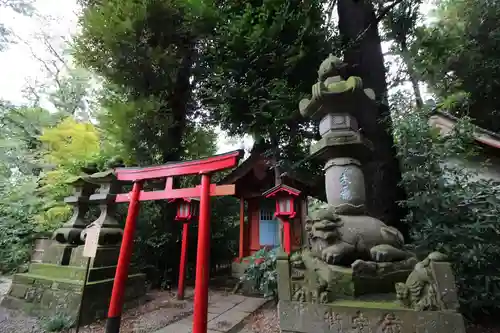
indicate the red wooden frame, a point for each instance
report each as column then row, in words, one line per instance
column 138, row 175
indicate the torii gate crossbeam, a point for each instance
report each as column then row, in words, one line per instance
column 205, row 167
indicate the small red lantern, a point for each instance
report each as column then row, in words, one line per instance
column 187, row 208
column 285, row 200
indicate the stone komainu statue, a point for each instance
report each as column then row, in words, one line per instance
column 342, row 239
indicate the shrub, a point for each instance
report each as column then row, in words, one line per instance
column 60, row 321
column 18, row 206
column 450, row 209
column 262, row 273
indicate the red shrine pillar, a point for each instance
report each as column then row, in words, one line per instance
column 287, row 235
column 182, row 266
column 121, row 275
column 202, row 259
column 242, row 229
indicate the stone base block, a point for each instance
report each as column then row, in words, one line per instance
column 47, row 295
column 74, row 273
column 105, row 256
column 364, row 316
column 364, row 278
column 58, row 254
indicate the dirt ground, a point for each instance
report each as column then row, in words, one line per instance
column 263, row 321
column 160, row 309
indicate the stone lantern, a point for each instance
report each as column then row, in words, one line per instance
column 334, row 102
column 68, row 236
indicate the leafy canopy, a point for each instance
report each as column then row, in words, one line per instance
column 458, row 55
column 262, row 59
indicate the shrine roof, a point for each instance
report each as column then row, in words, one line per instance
column 446, row 122
column 257, row 162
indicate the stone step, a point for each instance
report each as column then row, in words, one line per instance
column 57, row 271
column 44, row 281
column 74, row 272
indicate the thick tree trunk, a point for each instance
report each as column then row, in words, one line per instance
column 172, row 150
column 410, row 69
column 382, row 173
column 178, row 103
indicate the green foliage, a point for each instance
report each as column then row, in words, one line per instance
column 19, row 142
column 57, row 323
column 68, row 147
column 451, row 210
column 458, row 53
column 260, row 65
column 262, row 272
column 74, row 93
column 18, row 208
column 146, row 51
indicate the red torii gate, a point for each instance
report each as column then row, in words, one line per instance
column 205, row 167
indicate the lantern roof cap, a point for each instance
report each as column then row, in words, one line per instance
column 186, row 199
column 281, row 188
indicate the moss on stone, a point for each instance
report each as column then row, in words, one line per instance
column 368, row 304
column 23, row 278
column 57, row 271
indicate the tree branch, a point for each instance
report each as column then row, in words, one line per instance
column 330, row 9
column 381, row 14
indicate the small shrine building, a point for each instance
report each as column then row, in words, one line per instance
column 258, row 189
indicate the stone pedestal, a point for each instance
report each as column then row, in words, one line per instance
column 58, row 254
column 317, row 297
column 47, row 288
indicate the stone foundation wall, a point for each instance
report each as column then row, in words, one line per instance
column 47, row 289
column 364, row 317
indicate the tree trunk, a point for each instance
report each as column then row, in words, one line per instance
column 382, row 172
column 410, row 69
column 172, row 150
column 178, row 104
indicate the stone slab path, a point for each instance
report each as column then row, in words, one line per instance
column 225, row 314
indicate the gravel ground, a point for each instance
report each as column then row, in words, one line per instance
column 162, row 309
column 15, row 321
column 263, row 321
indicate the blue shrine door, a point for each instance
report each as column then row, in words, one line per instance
column 268, row 225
